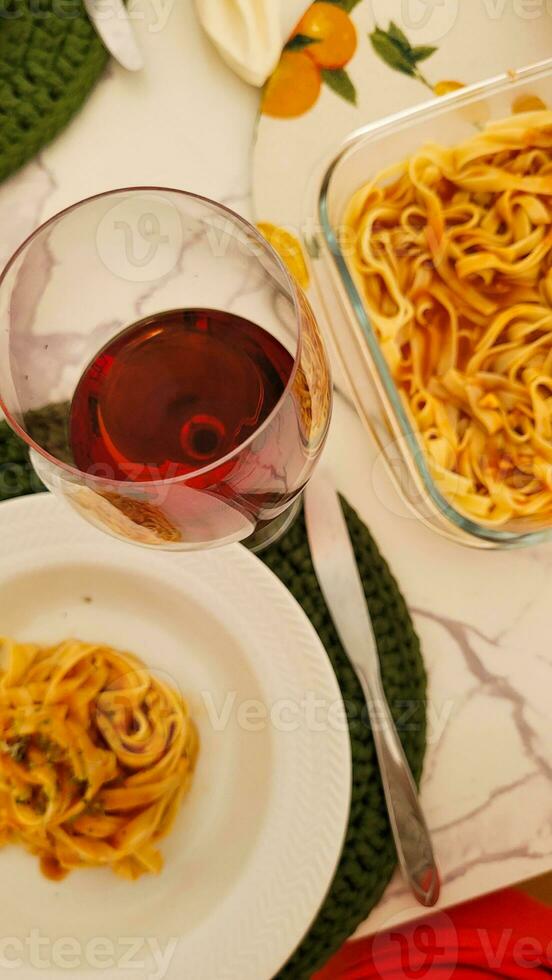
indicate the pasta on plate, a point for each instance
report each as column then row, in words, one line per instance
column 95, row 756
column 451, row 251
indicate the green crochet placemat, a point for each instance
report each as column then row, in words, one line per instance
column 50, row 57
column 368, row 859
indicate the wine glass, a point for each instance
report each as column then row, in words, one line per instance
column 164, row 368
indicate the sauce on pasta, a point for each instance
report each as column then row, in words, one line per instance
column 95, row 756
column 451, row 251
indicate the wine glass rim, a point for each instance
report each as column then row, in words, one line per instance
column 293, row 289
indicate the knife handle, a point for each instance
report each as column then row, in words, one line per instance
column 408, row 825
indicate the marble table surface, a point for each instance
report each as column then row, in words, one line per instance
column 484, row 618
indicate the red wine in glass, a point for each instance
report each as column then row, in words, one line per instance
column 192, row 428
column 175, row 393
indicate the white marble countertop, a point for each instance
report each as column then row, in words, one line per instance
column 483, row 618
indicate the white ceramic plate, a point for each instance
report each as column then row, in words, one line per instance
column 257, row 841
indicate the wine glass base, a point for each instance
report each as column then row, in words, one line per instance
column 272, row 531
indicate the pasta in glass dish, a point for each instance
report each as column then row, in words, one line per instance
column 451, row 252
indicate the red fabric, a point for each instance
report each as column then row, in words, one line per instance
column 503, row 935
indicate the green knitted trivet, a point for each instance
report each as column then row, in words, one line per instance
column 368, row 858
column 50, row 57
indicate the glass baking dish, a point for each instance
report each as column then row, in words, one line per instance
column 447, row 120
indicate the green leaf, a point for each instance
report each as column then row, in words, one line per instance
column 399, row 36
column 300, row 41
column 346, row 5
column 420, row 54
column 338, row 80
column 391, row 52
column 312, row 246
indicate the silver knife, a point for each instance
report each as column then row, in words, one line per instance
column 337, row 572
column 112, row 22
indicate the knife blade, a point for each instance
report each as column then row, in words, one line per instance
column 112, row 23
column 337, row 572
